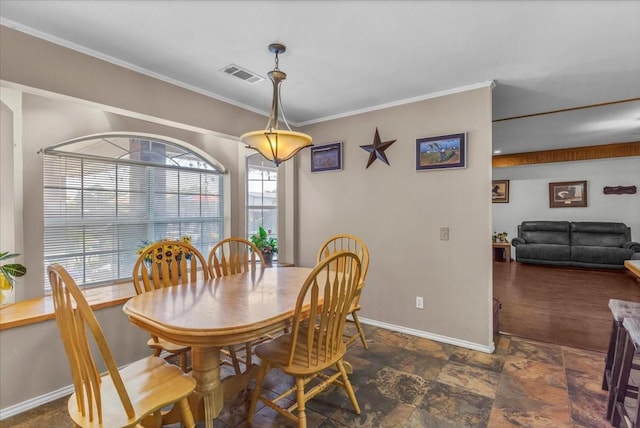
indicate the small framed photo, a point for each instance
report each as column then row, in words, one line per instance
column 327, row 157
column 446, row 151
column 568, row 194
column 500, row 191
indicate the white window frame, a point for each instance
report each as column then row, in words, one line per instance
column 203, row 215
column 271, row 169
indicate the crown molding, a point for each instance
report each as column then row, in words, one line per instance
column 487, row 84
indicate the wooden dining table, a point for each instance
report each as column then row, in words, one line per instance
column 209, row 314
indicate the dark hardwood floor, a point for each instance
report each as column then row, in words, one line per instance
column 564, row 306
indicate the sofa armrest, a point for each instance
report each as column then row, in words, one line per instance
column 635, row 246
column 517, row 241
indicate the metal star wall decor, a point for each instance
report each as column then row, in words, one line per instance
column 376, row 150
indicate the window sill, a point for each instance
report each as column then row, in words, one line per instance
column 41, row 309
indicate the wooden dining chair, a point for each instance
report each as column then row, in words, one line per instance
column 346, row 242
column 229, row 257
column 165, row 264
column 234, row 255
column 316, row 341
column 129, row 397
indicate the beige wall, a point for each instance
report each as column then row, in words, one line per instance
column 395, row 209
column 34, row 366
column 398, row 212
column 35, row 63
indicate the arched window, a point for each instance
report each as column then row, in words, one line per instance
column 107, row 195
column 262, row 195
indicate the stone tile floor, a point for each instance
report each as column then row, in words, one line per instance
column 407, row 381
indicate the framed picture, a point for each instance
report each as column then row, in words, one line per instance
column 446, row 151
column 568, row 194
column 327, row 157
column 500, row 191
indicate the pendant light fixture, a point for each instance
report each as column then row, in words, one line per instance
column 273, row 143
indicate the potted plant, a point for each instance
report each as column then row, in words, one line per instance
column 8, row 272
column 167, row 252
column 499, row 237
column 267, row 245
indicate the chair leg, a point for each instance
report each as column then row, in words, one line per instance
column 185, row 412
column 234, row 359
column 183, row 361
column 354, row 314
column 247, row 356
column 302, row 415
column 608, row 361
column 264, row 367
column 348, row 387
column 622, row 382
column 615, row 367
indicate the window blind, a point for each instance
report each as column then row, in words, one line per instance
column 98, row 212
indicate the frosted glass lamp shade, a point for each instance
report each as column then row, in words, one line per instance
column 276, row 145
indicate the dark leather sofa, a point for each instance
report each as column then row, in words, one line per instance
column 582, row 244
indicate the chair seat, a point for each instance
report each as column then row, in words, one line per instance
column 276, row 352
column 170, row 347
column 152, row 384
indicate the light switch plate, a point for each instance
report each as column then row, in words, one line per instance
column 444, row 233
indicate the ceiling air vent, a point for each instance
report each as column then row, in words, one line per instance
column 242, row 73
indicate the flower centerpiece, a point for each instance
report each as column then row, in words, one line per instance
column 166, row 252
column 267, row 245
column 8, row 272
column 499, row 237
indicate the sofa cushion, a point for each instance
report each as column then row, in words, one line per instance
column 600, row 255
column 599, row 234
column 545, row 232
column 544, row 252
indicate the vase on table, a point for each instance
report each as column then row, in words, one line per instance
column 268, row 258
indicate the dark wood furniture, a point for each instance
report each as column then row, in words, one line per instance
column 502, row 248
column 626, row 411
column 620, row 309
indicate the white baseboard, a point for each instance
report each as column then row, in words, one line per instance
column 32, row 403
column 426, row 335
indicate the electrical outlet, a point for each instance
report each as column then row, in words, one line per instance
column 419, row 302
column 444, row 233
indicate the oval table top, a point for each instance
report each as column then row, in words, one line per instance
column 220, row 311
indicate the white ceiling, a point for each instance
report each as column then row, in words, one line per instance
column 350, row 56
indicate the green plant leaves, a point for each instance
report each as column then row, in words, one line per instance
column 11, row 270
column 14, row 269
